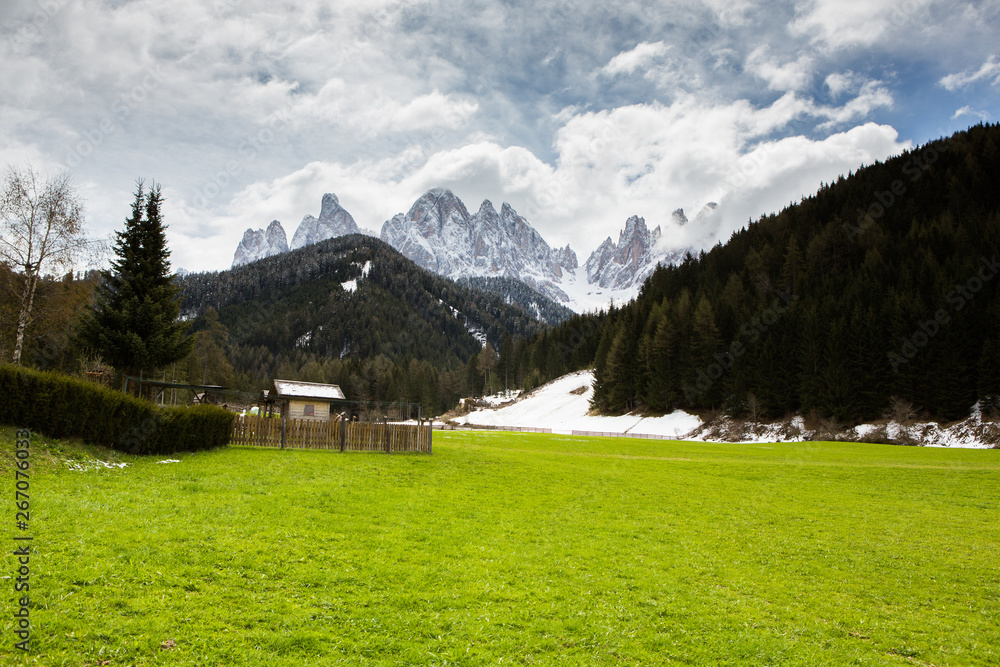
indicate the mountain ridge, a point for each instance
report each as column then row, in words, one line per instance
column 439, row 233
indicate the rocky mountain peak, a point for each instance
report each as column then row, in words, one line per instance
column 487, row 212
column 629, row 262
column 333, row 221
column 329, row 206
column 258, row 244
column 566, row 258
column 439, row 234
column 275, row 236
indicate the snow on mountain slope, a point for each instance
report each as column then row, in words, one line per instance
column 439, row 234
column 628, row 263
column 333, row 221
column 563, row 404
column 260, row 244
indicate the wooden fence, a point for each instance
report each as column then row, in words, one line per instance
column 642, row 436
column 483, row 427
column 258, row 431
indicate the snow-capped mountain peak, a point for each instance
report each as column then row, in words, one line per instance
column 333, row 221
column 628, row 263
column 258, row 244
column 439, row 234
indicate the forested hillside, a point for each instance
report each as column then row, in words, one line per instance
column 517, row 292
column 350, row 310
column 883, row 284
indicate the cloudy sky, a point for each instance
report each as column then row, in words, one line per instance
column 579, row 113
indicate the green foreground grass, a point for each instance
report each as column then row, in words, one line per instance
column 513, row 548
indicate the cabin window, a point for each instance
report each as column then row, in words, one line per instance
column 309, row 410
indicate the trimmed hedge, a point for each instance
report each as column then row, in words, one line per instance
column 60, row 406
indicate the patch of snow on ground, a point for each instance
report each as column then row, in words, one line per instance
column 94, row 464
column 476, row 333
column 561, row 406
column 352, row 285
column 501, row 398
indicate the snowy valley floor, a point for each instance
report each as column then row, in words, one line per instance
column 563, row 406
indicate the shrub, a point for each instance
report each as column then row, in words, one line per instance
column 900, row 411
column 60, row 406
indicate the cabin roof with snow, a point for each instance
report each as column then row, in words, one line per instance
column 305, row 390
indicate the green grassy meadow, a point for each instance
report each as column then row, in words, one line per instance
column 512, row 548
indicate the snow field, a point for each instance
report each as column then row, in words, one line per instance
column 563, row 405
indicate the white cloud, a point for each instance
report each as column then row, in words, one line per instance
column 644, row 159
column 872, row 95
column 841, row 82
column 642, row 56
column 259, row 108
column 989, row 70
column 969, row 111
column 794, row 75
column 845, row 23
column 433, row 110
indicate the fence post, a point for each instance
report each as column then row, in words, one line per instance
column 385, row 423
column 430, row 436
column 343, row 433
column 284, row 420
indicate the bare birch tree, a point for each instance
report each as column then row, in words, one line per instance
column 41, row 229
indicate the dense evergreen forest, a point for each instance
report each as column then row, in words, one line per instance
column 352, row 311
column 883, row 284
column 517, row 292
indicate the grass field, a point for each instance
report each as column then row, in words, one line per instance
column 513, row 548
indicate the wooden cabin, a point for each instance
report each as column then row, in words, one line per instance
column 304, row 400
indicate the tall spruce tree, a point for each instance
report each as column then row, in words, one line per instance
column 134, row 324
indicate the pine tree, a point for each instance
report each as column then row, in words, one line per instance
column 134, row 324
column 706, row 346
column 620, row 370
column 794, row 267
column 503, row 369
column 602, row 383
